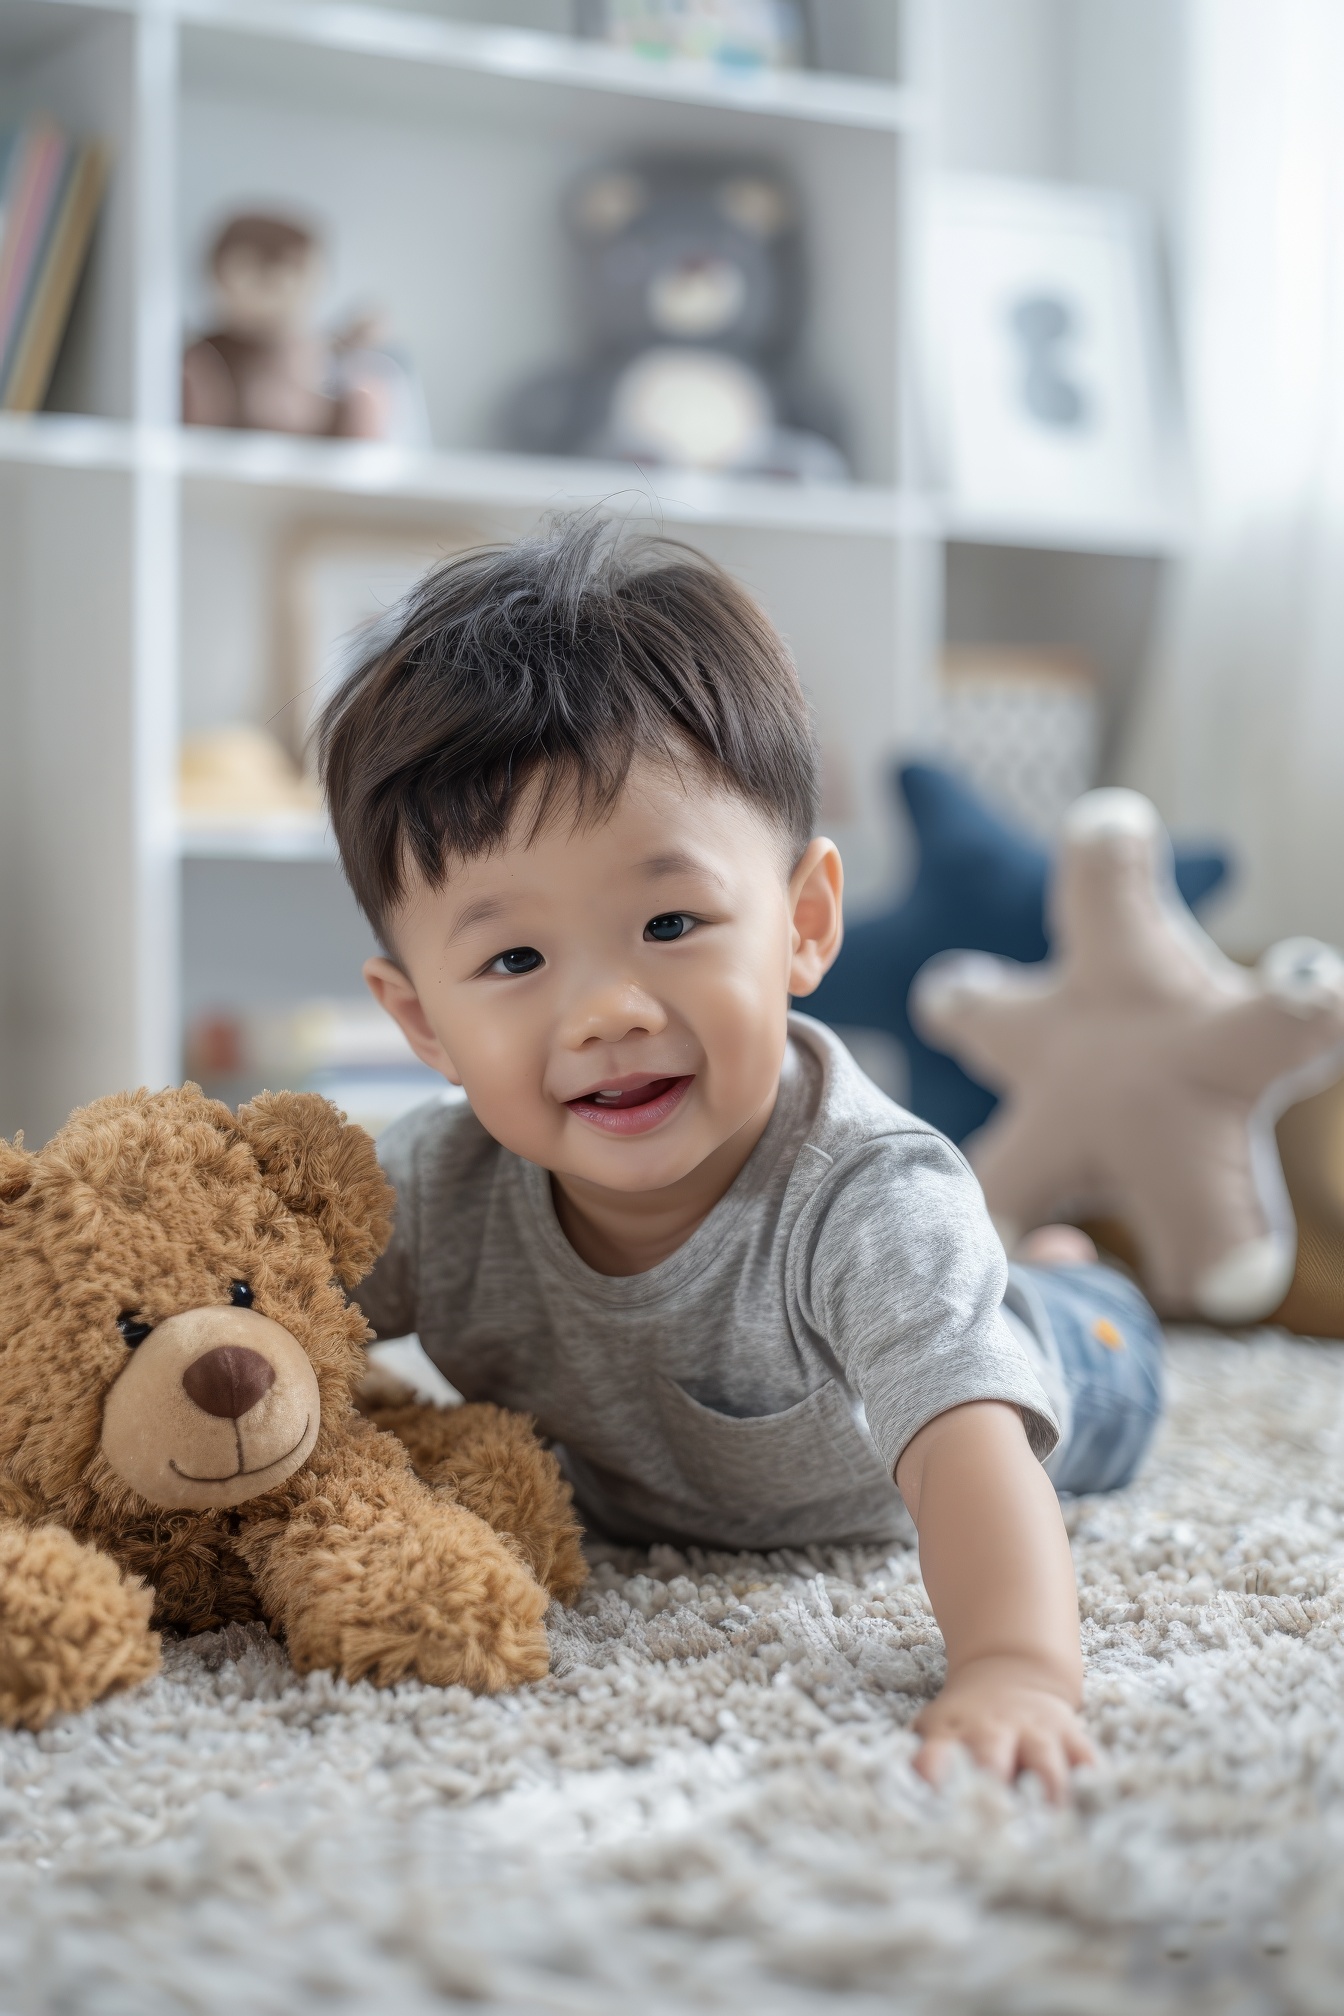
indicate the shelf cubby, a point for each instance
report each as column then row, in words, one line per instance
column 433, row 140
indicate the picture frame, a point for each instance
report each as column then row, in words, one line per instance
column 336, row 582
column 1049, row 396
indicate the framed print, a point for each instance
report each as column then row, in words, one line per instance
column 1050, row 403
column 337, row 583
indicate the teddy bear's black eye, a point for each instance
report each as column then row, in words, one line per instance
column 132, row 1329
column 240, row 1295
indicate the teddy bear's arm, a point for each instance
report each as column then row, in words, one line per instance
column 491, row 1461
column 73, row 1627
column 375, row 1577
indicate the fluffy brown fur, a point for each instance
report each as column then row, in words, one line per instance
column 485, row 1457
column 155, row 1204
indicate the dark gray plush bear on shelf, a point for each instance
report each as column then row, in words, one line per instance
column 691, row 281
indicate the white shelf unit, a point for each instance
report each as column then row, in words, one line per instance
column 138, row 580
column 138, row 559
column 1091, row 92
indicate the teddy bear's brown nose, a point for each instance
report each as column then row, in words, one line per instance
column 229, row 1380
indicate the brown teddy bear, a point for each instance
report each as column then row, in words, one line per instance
column 179, row 1439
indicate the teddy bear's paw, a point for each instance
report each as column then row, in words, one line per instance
column 489, row 1460
column 501, row 1644
column 565, row 1574
column 446, row 1602
column 72, row 1627
column 528, row 1502
column 538, row 1527
column 482, row 1626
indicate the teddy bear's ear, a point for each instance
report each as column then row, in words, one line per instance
column 606, row 203
column 755, row 203
column 16, row 1171
column 326, row 1169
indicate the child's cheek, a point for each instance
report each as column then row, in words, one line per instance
column 503, row 1063
column 744, row 1031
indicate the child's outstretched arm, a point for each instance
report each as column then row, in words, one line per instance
column 996, row 1563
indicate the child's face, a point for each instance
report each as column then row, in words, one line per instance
column 613, row 998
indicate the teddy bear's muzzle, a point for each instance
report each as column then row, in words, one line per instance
column 216, row 1406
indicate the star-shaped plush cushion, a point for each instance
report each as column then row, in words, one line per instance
column 979, row 887
column 1143, row 1071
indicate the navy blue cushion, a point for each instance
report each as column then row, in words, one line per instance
column 979, row 887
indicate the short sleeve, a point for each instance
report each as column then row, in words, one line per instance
column 901, row 1277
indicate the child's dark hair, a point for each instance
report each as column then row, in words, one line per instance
column 566, row 656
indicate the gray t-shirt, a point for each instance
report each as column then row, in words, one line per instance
column 756, row 1388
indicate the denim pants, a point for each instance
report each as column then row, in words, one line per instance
column 1107, row 1353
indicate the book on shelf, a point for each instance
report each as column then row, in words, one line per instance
column 50, row 188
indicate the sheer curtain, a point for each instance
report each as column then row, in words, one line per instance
column 1240, row 729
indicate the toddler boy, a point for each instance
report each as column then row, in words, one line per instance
column 754, row 1302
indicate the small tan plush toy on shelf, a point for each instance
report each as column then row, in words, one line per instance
column 265, row 364
column 1142, row 1071
column 179, row 1438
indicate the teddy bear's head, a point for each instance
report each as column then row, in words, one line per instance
column 689, row 252
column 173, row 1322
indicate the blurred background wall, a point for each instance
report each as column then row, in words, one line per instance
column 987, row 340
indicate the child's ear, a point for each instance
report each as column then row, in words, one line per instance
column 816, row 888
column 393, row 990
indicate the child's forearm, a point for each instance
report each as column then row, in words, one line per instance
column 996, row 1565
column 993, row 1550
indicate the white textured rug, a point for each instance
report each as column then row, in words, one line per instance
column 709, row 1804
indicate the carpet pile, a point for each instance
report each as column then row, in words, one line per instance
column 709, row 1805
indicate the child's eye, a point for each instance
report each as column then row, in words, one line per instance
column 672, row 924
column 522, row 959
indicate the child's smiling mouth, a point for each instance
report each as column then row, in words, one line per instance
column 632, row 1105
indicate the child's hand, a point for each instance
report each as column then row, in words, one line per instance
column 1010, row 1719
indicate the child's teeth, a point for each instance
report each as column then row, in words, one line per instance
column 609, row 1097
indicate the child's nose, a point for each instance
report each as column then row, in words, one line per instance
column 608, row 1010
